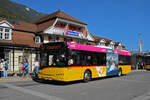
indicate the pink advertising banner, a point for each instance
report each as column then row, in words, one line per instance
column 85, row 47
column 92, row 48
column 124, row 53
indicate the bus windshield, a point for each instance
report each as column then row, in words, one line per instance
column 50, row 59
column 53, row 55
column 147, row 60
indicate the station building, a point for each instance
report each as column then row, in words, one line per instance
column 20, row 40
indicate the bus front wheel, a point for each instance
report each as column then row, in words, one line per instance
column 87, row 76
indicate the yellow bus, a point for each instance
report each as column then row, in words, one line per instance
column 68, row 61
column 147, row 62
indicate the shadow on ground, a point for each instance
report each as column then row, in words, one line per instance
column 59, row 83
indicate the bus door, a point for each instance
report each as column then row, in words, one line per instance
column 111, row 62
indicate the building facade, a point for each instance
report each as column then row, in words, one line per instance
column 20, row 40
column 17, row 43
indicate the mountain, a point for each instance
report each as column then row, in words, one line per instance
column 16, row 11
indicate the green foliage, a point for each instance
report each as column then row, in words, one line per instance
column 16, row 11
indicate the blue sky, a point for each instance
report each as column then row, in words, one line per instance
column 119, row 20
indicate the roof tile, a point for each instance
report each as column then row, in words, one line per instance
column 24, row 26
column 58, row 14
column 24, row 38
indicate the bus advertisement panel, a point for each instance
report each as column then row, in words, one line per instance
column 111, row 62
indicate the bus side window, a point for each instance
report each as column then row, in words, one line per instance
column 95, row 60
column 124, row 60
column 50, row 60
column 70, row 61
column 78, row 60
column 82, row 61
column 89, row 58
column 44, row 59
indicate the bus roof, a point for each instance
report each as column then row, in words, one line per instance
column 76, row 46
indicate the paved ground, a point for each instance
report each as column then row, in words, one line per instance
column 14, row 79
column 135, row 86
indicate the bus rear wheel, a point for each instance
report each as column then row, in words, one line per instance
column 87, row 76
column 119, row 72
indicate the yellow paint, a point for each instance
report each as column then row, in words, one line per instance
column 147, row 67
column 52, row 74
column 76, row 72
column 125, row 68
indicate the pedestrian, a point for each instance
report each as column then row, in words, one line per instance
column 2, row 68
column 6, row 64
column 25, row 68
column 36, row 67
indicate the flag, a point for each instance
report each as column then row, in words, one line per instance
column 66, row 29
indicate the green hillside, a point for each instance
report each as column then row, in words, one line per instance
column 16, row 11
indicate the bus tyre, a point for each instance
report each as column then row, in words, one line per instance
column 87, row 76
column 119, row 72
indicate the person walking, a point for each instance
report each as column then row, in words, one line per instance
column 6, row 64
column 36, row 67
column 25, row 68
column 2, row 68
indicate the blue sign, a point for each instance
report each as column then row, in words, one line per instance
column 73, row 33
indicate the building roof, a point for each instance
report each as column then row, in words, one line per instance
column 117, row 43
column 21, row 34
column 24, row 38
column 1, row 19
column 97, row 39
column 21, row 38
column 25, row 29
column 45, row 25
column 20, row 25
column 123, row 47
column 100, row 38
column 25, row 26
column 57, row 14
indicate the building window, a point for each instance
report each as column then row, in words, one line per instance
column 119, row 48
column 65, row 40
column 49, row 38
column 69, row 40
column 1, row 33
column 20, row 58
column 60, row 25
column 5, row 33
column 53, row 39
column 102, row 42
column 37, row 39
column 57, row 39
column 111, row 45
